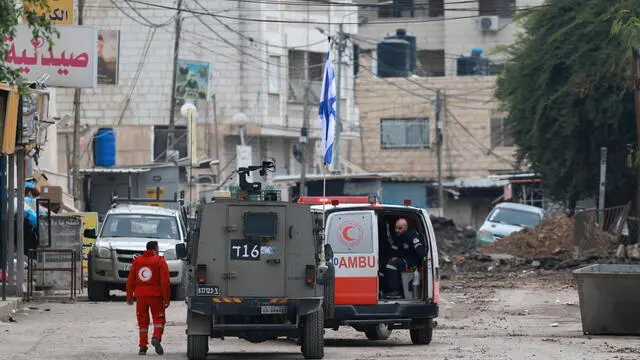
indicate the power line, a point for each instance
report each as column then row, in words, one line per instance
column 405, row 21
column 147, row 24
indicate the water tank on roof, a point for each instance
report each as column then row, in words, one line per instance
column 402, row 35
column 393, row 58
column 104, row 147
column 473, row 66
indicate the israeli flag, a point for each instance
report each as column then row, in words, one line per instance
column 327, row 110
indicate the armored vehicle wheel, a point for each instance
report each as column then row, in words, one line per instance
column 312, row 335
column 422, row 336
column 197, row 347
column 328, row 303
column 378, row 332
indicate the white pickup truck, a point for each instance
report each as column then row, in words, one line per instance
column 123, row 236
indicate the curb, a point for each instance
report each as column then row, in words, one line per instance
column 7, row 306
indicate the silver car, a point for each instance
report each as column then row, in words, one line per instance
column 123, row 236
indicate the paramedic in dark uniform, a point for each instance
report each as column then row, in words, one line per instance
column 408, row 252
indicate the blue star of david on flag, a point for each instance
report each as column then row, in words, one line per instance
column 327, row 110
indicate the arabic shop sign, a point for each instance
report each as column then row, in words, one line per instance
column 71, row 62
column 192, row 80
column 60, row 12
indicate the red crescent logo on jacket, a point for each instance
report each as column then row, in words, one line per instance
column 145, row 274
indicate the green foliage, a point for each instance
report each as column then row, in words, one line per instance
column 9, row 15
column 567, row 89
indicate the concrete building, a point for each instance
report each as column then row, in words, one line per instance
column 398, row 117
column 261, row 54
column 445, row 29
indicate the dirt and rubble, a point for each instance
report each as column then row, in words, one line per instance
column 532, row 315
column 453, row 240
column 551, row 237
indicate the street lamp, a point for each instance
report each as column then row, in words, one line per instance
column 190, row 111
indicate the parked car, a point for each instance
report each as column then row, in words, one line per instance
column 507, row 218
column 124, row 235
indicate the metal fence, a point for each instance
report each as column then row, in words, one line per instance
column 600, row 230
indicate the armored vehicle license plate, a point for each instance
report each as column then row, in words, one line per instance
column 208, row 290
column 270, row 309
column 242, row 249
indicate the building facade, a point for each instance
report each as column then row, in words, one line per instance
column 445, row 29
column 262, row 56
column 399, row 118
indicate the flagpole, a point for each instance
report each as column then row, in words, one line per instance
column 324, row 192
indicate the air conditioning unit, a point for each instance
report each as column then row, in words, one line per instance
column 488, row 23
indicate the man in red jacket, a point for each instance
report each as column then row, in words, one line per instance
column 149, row 282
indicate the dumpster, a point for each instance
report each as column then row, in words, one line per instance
column 609, row 299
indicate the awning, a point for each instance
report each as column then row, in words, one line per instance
column 115, row 170
column 318, row 177
column 474, row 183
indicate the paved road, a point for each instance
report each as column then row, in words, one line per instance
column 477, row 323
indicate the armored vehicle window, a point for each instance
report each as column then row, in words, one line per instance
column 260, row 224
column 141, row 226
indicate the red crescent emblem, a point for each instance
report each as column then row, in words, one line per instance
column 350, row 233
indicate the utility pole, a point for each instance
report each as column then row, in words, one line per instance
column 77, row 94
column 172, row 107
column 304, row 131
column 342, row 39
column 636, row 84
column 439, row 149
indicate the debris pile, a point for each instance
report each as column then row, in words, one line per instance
column 452, row 240
column 551, row 237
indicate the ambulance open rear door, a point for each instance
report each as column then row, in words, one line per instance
column 353, row 235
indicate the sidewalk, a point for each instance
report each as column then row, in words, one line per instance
column 7, row 306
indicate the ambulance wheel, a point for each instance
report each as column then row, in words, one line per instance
column 422, row 336
column 312, row 335
column 378, row 332
column 197, row 347
column 328, row 303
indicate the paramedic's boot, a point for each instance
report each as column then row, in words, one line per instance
column 156, row 344
column 393, row 295
column 142, row 351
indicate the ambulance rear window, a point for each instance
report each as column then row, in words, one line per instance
column 260, row 224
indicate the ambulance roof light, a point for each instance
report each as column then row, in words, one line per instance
column 373, row 199
column 335, row 202
column 407, row 202
column 319, row 200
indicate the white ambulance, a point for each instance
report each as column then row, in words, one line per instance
column 358, row 229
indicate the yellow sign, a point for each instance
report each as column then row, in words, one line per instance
column 150, row 193
column 89, row 221
column 60, row 11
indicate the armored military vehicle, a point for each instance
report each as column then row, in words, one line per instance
column 256, row 269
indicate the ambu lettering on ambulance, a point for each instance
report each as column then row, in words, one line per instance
column 356, row 262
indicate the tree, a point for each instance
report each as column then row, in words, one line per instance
column 10, row 12
column 567, row 90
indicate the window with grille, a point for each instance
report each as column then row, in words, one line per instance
column 274, row 74
column 503, row 8
column 404, row 133
column 160, row 134
column 399, row 9
column 499, row 134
